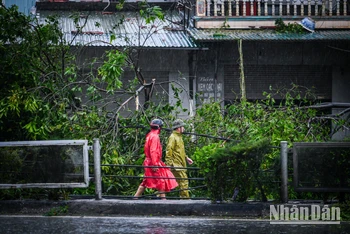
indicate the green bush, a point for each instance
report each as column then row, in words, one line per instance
column 233, row 166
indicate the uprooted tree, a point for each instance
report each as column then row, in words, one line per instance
column 45, row 94
column 42, row 98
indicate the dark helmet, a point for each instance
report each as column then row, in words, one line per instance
column 178, row 123
column 156, row 123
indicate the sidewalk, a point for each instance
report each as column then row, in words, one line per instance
column 115, row 207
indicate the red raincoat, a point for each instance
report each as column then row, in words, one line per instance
column 153, row 152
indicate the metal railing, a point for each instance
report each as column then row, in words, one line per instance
column 155, row 177
column 251, row 8
column 98, row 176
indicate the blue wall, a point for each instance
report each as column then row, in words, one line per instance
column 24, row 6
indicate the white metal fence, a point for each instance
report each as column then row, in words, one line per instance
column 251, row 8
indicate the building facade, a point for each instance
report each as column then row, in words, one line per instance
column 200, row 52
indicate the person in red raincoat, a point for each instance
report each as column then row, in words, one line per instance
column 161, row 179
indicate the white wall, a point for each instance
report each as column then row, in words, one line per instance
column 180, row 81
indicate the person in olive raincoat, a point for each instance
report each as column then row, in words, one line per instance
column 176, row 157
column 160, row 179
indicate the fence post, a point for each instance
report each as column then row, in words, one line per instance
column 97, row 169
column 284, row 170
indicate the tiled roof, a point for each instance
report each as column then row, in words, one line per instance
column 99, row 27
column 212, row 35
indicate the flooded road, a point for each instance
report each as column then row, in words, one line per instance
column 156, row 225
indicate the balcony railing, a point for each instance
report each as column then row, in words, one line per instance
column 232, row 8
column 247, row 14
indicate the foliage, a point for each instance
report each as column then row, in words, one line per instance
column 225, row 25
column 281, row 27
column 345, row 210
column 285, row 120
column 112, row 69
column 45, row 95
column 150, row 14
column 328, row 167
column 31, row 70
column 232, row 166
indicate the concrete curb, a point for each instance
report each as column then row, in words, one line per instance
column 111, row 207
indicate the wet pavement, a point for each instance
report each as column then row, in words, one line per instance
column 155, row 225
column 147, row 216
